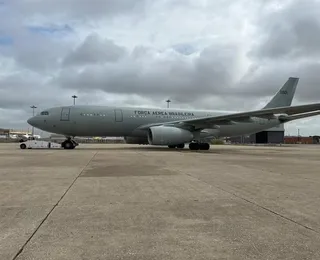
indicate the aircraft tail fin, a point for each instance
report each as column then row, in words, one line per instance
column 284, row 96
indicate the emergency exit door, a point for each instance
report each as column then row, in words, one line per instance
column 65, row 114
column 118, row 115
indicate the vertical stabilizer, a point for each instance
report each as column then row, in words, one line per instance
column 285, row 95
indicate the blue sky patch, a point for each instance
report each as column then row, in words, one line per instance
column 6, row 40
column 184, row 48
column 53, row 30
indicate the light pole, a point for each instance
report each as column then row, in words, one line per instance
column 74, row 99
column 33, row 107
column 168, row 101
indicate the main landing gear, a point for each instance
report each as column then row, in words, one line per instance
column 199, row 146
column 192, row 146
column 69, row 143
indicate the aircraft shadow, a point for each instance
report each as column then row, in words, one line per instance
column 153, row 149
column 215, row 149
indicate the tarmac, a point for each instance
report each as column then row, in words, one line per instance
column 116, row 201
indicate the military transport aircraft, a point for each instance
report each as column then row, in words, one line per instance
column 171, row 127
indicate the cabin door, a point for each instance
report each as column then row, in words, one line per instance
column 65, row 114
column 118, row 115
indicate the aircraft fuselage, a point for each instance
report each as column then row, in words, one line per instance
column 124, row 121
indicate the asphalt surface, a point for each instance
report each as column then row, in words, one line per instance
column 114, row 201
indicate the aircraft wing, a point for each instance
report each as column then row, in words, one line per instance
column 212, row 121
column 299, row 116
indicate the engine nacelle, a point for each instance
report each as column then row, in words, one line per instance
column 168, row 135
column 136, row 140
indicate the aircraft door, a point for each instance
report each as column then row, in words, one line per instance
column 118, row 115
column 65, row 114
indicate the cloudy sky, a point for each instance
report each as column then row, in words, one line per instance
column 221, row 54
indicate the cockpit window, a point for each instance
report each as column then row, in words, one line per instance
column 44, row 113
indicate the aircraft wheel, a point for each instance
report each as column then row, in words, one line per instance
column 204, row 146
column 23, row 146
column 180, row 146
column 194, row 146
column 68, row 145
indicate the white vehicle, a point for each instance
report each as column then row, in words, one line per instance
column 36, row 144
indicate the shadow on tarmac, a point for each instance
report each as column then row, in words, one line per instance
column 147, row 148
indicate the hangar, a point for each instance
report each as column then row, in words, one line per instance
column 273, row 135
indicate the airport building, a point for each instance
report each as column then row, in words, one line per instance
column 273, row 135
column 8, row 132
column 302, row 139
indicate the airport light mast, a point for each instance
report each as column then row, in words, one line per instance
column 168, row 101
column 74, row 99
column 33, row 107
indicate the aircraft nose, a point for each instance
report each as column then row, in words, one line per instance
column 31, row 121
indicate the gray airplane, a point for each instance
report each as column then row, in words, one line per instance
column 170, row 127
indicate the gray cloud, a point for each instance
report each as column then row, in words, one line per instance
column 271, row 77
column 219, row 55
column 139, row 73
column 94, row 50
column 78, row 9
column 291, row 32
column 21, row 90
column 33, row 50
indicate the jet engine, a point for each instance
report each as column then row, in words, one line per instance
column 168, row 135
column 136, row 140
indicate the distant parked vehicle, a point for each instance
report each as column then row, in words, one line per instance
column 32, row 143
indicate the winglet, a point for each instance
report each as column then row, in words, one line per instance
column 285, row 95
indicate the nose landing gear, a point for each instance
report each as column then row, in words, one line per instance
column 69, row 143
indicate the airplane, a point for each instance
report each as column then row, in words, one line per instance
column 171, row 127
